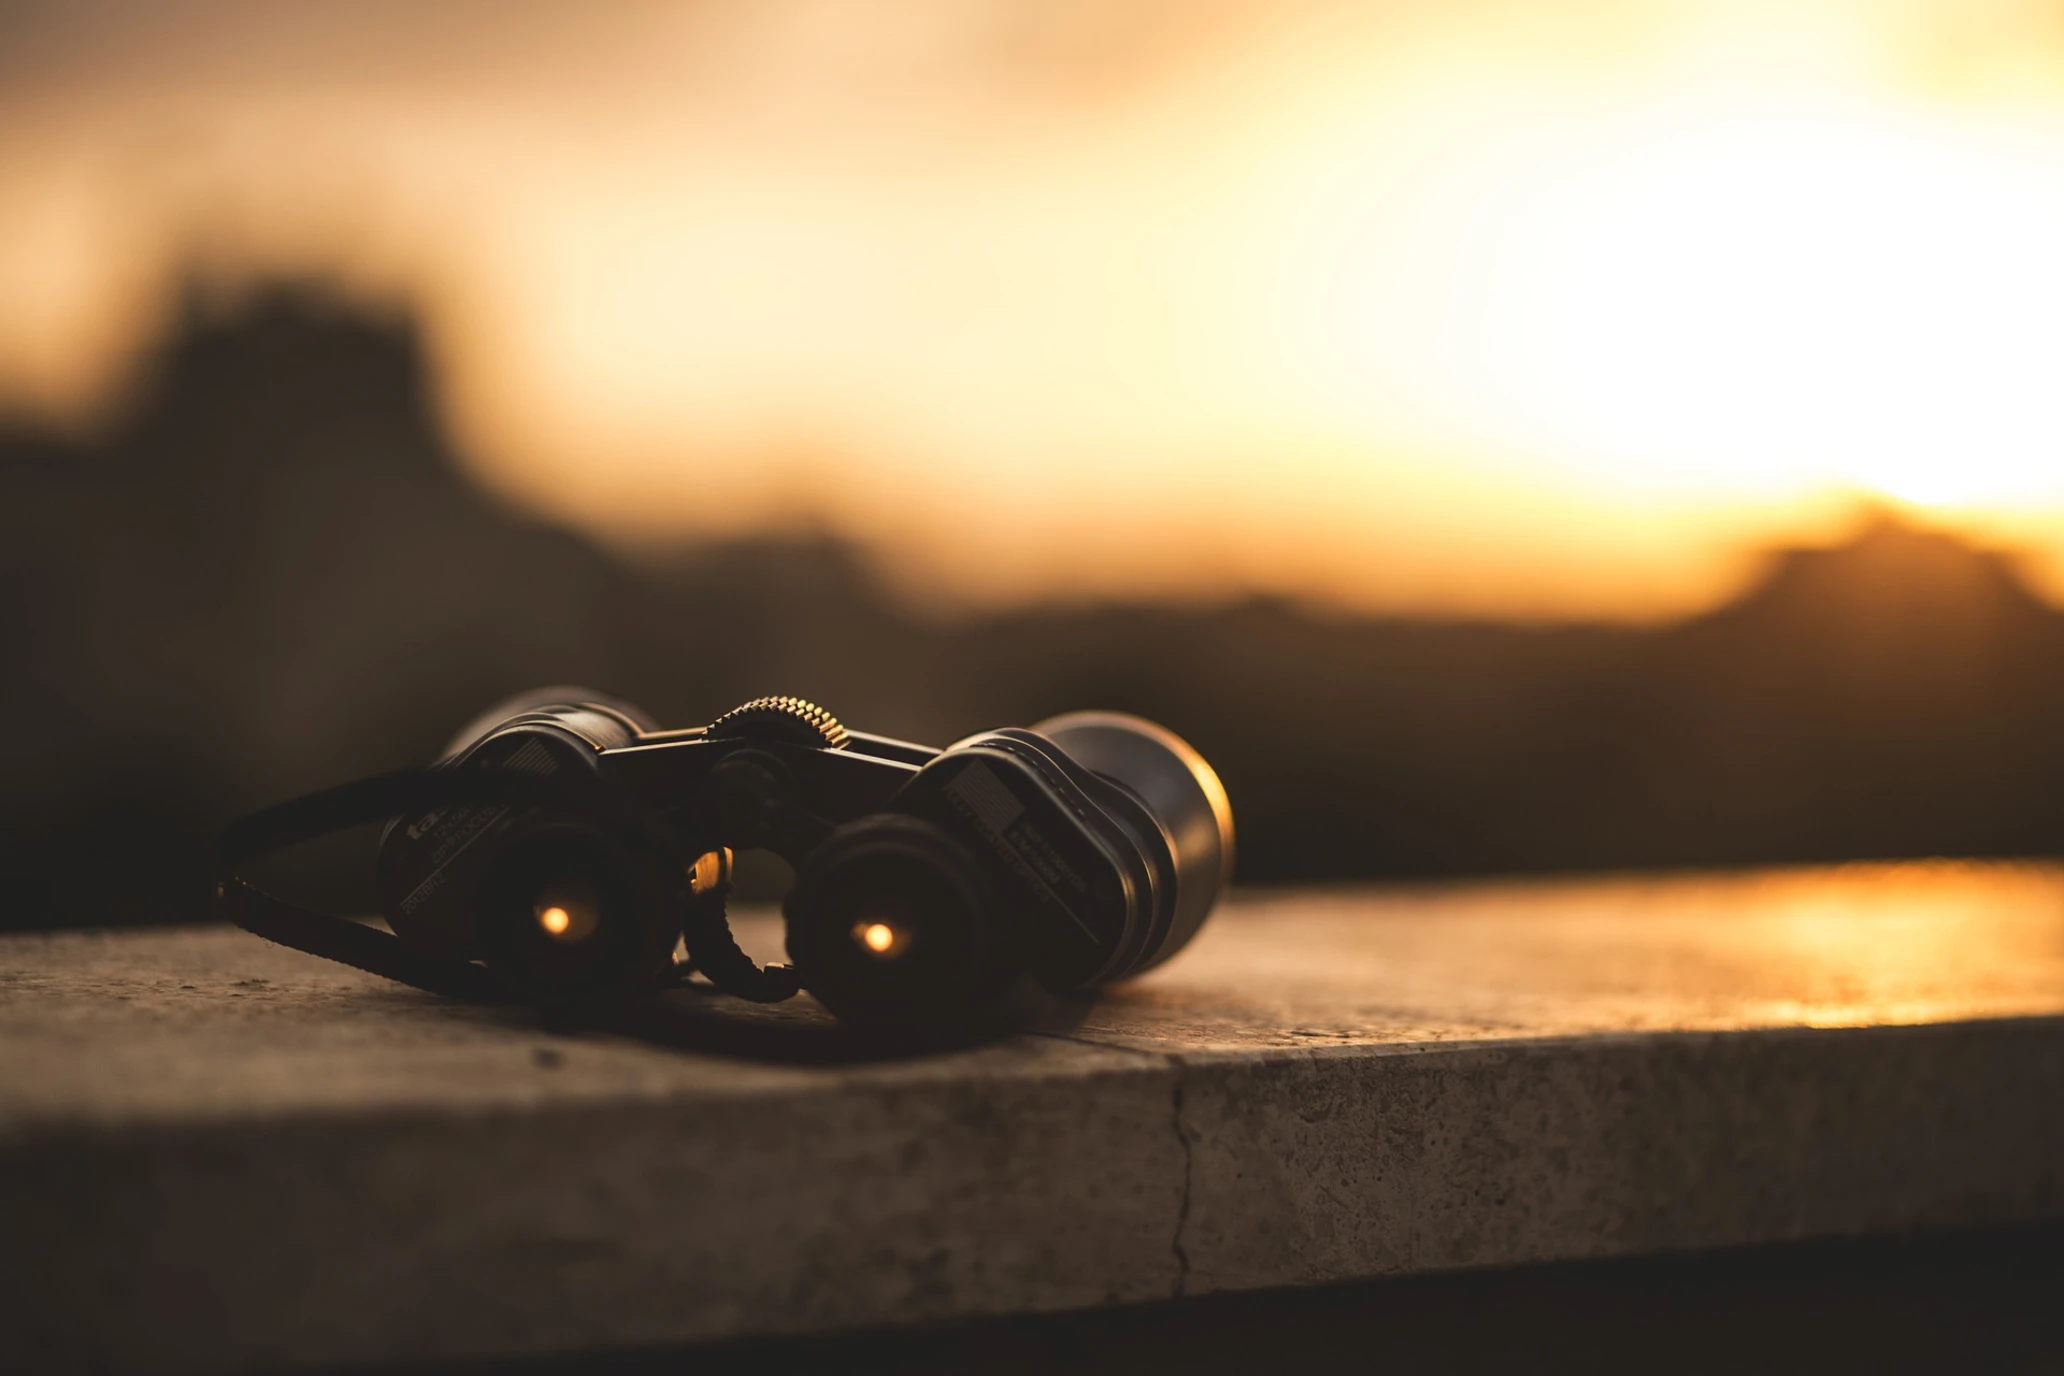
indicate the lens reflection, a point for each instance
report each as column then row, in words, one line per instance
column 567, row 910
column 880, row 937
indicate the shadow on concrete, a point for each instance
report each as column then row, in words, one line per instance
column 1947, row 1303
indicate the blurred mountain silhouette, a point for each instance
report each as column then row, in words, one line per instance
column 269, row 574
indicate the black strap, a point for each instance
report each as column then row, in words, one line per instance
column 707, row 930
column 706, row 927
column 355, row 944
column 341, row 939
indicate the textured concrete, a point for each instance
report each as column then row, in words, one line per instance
column 215, row 1153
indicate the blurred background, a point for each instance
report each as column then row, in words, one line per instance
column 1503, row 435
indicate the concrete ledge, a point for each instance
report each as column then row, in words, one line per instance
column 218, row 1154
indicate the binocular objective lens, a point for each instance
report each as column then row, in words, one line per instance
column 560, row 911
column 887, row 923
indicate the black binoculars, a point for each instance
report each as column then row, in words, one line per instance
column 566, row 847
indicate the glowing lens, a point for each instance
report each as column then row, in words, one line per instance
column 567, row 912
column 878, row 938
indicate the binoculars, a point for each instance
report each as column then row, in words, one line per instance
column 566, row 847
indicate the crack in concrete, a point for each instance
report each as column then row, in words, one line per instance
column 1189, row 1165
column 1180, row 1067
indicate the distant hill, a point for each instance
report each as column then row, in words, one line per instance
column 270, row 574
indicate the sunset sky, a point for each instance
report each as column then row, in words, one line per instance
column 1534, row 308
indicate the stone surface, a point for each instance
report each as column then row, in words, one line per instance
column 215, row 1153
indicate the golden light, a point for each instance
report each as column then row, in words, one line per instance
column 712, row 869
column 1484, row 308
column 567, row 911
column 1809, row 299
column 1694, row 300
column 878, row 937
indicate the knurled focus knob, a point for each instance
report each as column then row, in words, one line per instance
column 780, row 720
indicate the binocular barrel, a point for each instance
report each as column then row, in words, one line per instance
column 1181, row 791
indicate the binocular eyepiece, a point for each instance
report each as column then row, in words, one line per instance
column 567, row 847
